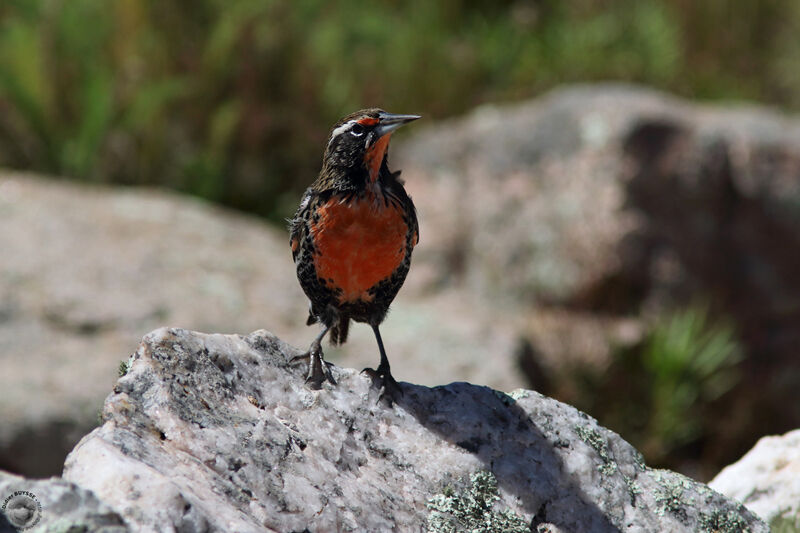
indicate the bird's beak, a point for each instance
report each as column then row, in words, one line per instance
column 388, row 122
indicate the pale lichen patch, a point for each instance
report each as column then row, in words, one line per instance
column 472, row 509
column 593, row 438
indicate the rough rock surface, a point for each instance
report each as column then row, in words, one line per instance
column 86, row 271
column 767, row 481
column 64, row 507
column 219, row 433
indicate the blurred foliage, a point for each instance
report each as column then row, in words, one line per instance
column 232, row 100
column 691, row 364
column 664, row 394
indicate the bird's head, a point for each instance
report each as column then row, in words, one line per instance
column 359, row 141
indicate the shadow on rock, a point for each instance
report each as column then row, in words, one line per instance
column 491, row 425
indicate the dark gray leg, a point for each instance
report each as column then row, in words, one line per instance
column 318, row 371
column 389, row 388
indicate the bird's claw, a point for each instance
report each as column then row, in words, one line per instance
column 319, row 370
column 388, row 388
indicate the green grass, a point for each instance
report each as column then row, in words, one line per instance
column 666, row 395
column 231, row 100
column 690, row 362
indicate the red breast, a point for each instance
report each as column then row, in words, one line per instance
column 358, row 244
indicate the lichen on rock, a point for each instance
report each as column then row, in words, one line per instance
column 473, row 509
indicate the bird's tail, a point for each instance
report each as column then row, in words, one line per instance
column 339, row 331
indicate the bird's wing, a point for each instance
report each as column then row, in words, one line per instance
column 298, row 226
column 398, row 191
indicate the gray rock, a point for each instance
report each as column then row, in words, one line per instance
column 767, row 481
column 53, row 505
column 219, row 433
column 588, row 213
column 538, row 199
column 86, row 271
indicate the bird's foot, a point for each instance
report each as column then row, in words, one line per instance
column 319, row 370
column 382, row 379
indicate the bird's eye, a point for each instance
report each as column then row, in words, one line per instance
column 357, row 130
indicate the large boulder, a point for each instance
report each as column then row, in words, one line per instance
column 87, row 270
column 767, row 481
column 220, row 433
column 592, row 212
column 541, row 200
column 613, row 200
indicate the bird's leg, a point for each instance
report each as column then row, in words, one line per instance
column 318, row 371
column 389, row 388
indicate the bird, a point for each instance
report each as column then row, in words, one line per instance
column 351, row 239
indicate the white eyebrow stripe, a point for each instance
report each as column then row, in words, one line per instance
column 341, row 129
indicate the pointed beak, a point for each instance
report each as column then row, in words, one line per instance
column 389, row 122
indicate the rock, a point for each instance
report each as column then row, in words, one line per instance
column 541, row 199
column 87, row 270
column 527, row 200
column 609, row 199
column 587, row 214
column 53, row 505
column 219, row 433
column 767, row 481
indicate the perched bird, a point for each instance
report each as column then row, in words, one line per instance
column 352, row 238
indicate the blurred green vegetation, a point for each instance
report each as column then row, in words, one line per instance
column 231, row 100
column 666, row 395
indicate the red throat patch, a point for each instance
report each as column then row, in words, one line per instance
column 374, row 156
